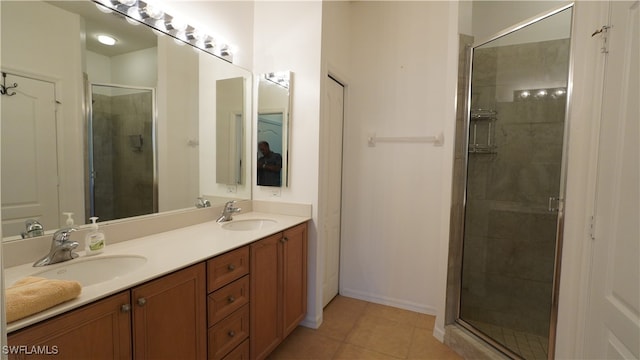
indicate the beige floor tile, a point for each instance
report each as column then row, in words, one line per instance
column 399, row 315
column 382, row 335
column 347, row 304
column 304, row 343
column 353, row 352
column 340, row 316
column 425, row 346
column 424, row 321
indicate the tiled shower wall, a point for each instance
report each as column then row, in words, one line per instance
column 510, row 236
column 124, row 180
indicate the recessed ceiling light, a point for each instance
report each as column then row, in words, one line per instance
column 107, row 40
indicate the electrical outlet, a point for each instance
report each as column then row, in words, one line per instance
column 276, row 192
column 232, row 189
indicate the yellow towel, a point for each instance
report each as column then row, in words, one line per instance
column 34, row 294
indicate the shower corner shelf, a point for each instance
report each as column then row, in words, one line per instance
column 482, row 131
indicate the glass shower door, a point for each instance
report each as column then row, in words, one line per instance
column 514, row 164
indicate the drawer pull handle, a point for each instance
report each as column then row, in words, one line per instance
column 286, row 238
column 231, row 333
column 125, row 308
column 231, row 299
column 231, row 267
column 142, row 301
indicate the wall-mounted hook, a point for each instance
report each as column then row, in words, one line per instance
column 4, row 89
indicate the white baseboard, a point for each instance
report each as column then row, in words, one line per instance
column 438, row 333
column 383, row 300
column 312, row 323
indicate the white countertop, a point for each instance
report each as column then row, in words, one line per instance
column 165, row 252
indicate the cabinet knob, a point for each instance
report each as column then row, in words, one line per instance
column 231, row 299
column 231, row 333
column 231, row 267
column 125, row 308
column 142, row 301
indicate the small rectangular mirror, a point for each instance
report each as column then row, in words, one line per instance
column 274, row 107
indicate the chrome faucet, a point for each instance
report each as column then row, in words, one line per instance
column 33, row 229
column 228, row 211
column 202, row 203
column 61, row 248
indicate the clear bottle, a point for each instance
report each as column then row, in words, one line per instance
column 95, row 239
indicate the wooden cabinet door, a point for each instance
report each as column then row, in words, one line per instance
column 294, row 272
column 170, row 316
column 266, row 287
column 101, row 330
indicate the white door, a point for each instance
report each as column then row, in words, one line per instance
column 334, row 107
column 29, row 155
column 613, row 318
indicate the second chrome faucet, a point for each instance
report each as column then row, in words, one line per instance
column 228, row 211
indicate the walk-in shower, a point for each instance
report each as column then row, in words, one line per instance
column 121, row 152
column 512, row 196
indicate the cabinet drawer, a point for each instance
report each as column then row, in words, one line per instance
column 229, row 333
column 228, row 299
column 226, row 268
column 239, row 353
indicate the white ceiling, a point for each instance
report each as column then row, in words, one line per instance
column 129, row 37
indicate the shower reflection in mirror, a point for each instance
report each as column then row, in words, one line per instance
column 122, row 153
column 274, row 92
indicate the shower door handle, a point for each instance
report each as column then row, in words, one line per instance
column 554, row 204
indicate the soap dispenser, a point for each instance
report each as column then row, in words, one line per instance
column 69, row 221
column 94, row 241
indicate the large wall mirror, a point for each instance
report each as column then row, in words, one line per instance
column 145, row 124
column 274, row 104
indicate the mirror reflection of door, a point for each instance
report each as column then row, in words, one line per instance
column 269, row 170
column 122, row 154
column 29, row 155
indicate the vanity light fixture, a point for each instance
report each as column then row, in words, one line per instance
column 107, row 40
column 148, row 12
column 539, row 94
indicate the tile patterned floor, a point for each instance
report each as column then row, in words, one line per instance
column 529, row 346
column 354, row 329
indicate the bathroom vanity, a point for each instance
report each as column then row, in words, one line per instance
column 239, row 302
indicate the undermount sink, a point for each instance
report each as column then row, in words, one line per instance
column 90, row 271
column 248, row 224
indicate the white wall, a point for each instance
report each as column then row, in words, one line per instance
column 277, row 47
column 26, row 50
column 137, row 68
column 396, row 196
column 98, row 67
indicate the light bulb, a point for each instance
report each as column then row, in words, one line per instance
column 134, row 12
column 178, row 24
column 128, row 2
column 154, row 11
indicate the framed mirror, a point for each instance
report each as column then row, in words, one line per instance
column 130, row 126
column 274, row 108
